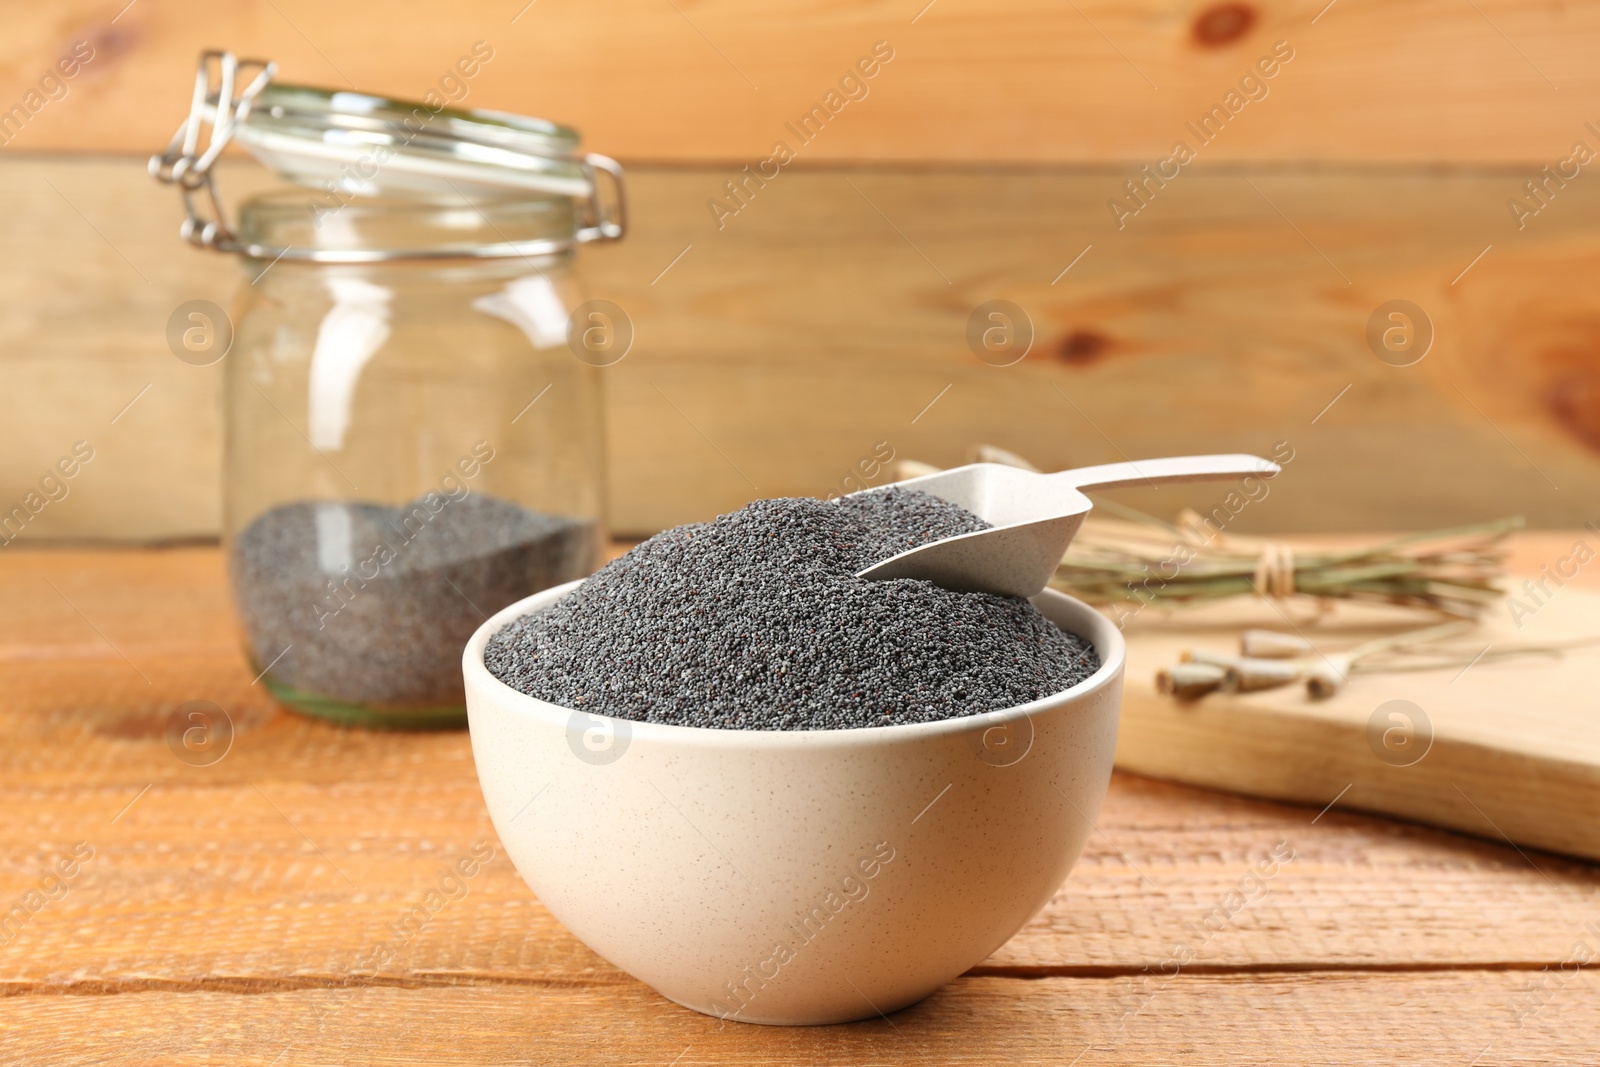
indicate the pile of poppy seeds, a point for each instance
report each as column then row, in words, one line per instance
column 756, row 621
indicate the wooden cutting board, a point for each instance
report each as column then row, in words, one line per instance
column 1507, row 749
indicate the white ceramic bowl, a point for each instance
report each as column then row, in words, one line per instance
column 796, row 877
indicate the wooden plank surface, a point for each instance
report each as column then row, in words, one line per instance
column 1425, row 1019
column 774, row 355
column 224, row 910
column 1017, row 81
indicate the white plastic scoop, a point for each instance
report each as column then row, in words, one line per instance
column 1033, row 518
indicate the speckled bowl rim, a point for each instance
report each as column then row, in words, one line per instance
column 1108, row 643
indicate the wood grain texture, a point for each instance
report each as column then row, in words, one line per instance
column 831, row 313
column 1273, row 1021
column 1018, row 81
column 226, row 911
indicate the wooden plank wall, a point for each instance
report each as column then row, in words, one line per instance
column 1228, row 312
column 1007, row 80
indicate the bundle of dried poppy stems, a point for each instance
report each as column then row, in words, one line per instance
column 1140, row 560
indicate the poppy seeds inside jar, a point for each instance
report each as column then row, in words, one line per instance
column 369, row 604
column 757, row 621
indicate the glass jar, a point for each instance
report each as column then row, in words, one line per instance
column 411, row 442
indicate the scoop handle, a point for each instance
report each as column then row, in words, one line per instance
column 1167, row 471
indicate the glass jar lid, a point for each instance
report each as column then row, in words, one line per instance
column 381, row 147
column 350, row 144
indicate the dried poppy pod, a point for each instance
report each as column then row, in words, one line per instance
column 1249, row 674
column 1326, row 678
column 1189, row 681
column 1270, row 644
column 1215, row 659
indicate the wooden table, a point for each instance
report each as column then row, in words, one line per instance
column 216, row 914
